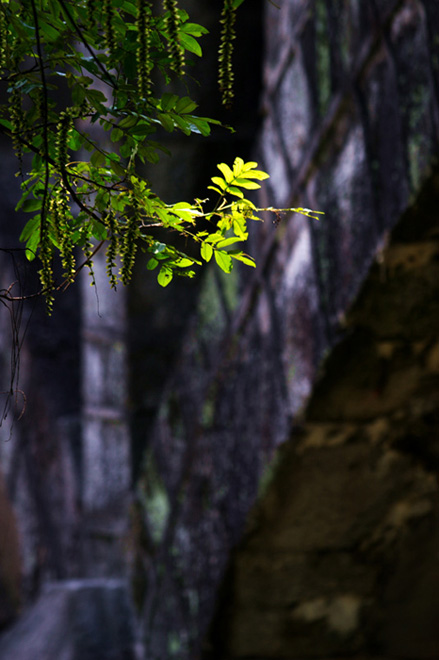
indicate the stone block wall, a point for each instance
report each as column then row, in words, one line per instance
column 350, row 127
column 10, row 573
column 105, row 461
column 340, row 558
column 66, row 464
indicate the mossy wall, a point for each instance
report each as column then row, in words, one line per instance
column 339, row 558
column 349, row 127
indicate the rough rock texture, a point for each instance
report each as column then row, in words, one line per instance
column 66, row 464
column 75, row 620
column 340, row 554
column 350, row 128
column 105, row 451
column 10, row 569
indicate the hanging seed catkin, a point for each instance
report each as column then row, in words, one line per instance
column 225, row 69
column 175, row 50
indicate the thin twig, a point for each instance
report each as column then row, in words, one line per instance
column 81, row 36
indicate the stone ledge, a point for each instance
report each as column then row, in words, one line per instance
column 75, row 620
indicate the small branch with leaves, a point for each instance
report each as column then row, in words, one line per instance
column 72, row 65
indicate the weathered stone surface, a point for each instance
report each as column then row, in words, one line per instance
column 340, row 554
column 358, row 141
column 76, row 620
column 66, row 464
column 10, row 561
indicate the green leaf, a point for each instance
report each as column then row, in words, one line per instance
column 229, row 241
column 32, row 245
column 225, row 169
column 30, row 205
column 183, row 124
column 224, row 261
column 99, row 231
column 102, row 200
column 220, row 192
column 30, row 227
column 184, row 105
column 308, row 212
column 150, row 154
column 245, row 183
column 130, row 8
column 200, row 125
column 245, row 258
column 214, row 238
column 116, row 135
column 78, row 94
column 235, row 191
column 47, row 30
column 194, row 29
column 237, row 166
column 162, row 214
column 152, row 263
column 7, row 124
column 250, row 165
column 117, row 169
column 128, row 121
column 184, row 262
column 219, row 182
column 75, row 140
column 166, row 122
column 240, row 227
column 118, row 202
column 165, row 276
column 168, row 101
column 206, row 251
column 256, row 174
column 184, row 211
column 141, row 129
column 97, row 158
column 97, row 99
column 190, row 44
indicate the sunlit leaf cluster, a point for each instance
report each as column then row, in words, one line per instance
column 85, row 110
